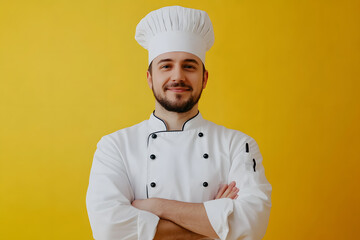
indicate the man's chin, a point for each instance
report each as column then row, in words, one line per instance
column 177, row 106
column 178, row 98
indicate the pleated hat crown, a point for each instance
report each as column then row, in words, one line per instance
column 175, row 28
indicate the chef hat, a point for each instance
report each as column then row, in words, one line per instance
column 175, row 28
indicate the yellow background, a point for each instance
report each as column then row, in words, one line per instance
column 284, row 72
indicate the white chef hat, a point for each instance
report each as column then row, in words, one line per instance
column 175, row 28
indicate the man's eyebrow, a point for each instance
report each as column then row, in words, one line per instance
column 191, row 60
column 165, row 60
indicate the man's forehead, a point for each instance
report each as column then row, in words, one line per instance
column 177, row 57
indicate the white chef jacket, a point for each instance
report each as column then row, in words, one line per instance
column 190, row 165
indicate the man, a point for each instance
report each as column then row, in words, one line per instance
column 177, row 175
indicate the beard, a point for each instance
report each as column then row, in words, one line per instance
column 177, row 106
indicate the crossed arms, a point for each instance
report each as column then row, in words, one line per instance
column 181, row 220
column 114, row 214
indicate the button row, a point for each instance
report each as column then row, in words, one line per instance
column 200, row 134
column 205, row 184
column 152, row 156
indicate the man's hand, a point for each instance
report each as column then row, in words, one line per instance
column 228, row 191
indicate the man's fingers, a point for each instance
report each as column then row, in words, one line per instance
column 234, row 193
column 221, row 191
column 229, row 189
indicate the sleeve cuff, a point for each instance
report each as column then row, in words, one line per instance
column 218, row 211
column 147, row 225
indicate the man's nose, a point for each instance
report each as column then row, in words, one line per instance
column 178, row 74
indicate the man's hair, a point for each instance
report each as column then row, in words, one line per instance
column 150, row 68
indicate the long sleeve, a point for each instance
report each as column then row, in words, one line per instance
column 247, row 216
column 109, row 197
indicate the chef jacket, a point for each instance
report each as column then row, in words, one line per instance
column 190, row 165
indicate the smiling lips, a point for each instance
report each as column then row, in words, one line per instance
column 178, row 89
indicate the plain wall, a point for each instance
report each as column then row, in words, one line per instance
column 284, row 72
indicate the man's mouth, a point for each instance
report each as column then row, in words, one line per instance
column 178, row 89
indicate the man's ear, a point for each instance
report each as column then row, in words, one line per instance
column 205, row 78
column 149, row 79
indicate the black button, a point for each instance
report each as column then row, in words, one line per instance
column 205, row 184
column 206, row 155
column 153, row 135
column 153, row 184
column 200, row 134
column 152, row 156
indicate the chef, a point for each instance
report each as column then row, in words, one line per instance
column 177, row 175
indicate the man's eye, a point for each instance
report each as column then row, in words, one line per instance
column 189, row 66
column 165, row 66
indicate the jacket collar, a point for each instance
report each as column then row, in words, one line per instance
column 156, row 124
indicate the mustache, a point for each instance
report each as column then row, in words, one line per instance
column 177, row 84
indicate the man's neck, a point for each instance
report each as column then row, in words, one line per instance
column 174, row 120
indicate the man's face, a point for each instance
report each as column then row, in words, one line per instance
column 177, row 80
